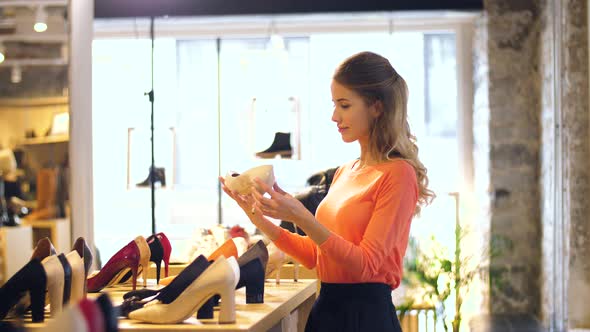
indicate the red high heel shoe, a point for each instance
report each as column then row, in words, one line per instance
column 167, row 250
column 135, row 254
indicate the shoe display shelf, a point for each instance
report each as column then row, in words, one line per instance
column 57, row 230
column 53, row 139
column 285, row 308
column 287, row 271
column 16, row 245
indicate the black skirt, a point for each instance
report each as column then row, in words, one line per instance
column 353, row 308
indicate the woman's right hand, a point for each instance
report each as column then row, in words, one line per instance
column 253, row 211
column 244, row 201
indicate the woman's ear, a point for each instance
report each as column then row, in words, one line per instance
column 376, row 109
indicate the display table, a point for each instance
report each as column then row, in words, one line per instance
column 285, row 308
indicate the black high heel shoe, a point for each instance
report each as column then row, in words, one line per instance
column 252, row 276
column 134, row 300
column 30, row 278
column 252, row 272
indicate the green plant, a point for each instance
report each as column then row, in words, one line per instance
column 438, row 273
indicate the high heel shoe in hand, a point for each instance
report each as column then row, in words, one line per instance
column 30, row 278
column 218, row 278
column 135, row 254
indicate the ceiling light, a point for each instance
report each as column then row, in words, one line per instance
column 40, row 19
column 16, row 75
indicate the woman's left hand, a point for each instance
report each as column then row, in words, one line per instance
column 280, row 205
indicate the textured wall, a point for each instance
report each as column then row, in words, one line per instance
column 514, row 102
column 576, row 157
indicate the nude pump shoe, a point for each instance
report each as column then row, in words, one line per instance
column 55, row 283
column 218, row 278
column 244, row 183
column 78, row 276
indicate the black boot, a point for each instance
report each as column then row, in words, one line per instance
column 280, row 146
column 159, row 175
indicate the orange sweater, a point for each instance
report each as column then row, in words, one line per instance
column 369, row 212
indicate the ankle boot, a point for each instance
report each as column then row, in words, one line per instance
column 280, row 146
column 159, row 175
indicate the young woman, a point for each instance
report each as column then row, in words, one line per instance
column 358, row 237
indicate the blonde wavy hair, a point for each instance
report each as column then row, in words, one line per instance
column 373, row 78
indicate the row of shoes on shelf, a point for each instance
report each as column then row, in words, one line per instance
column 61, row 276
column 132, row 260
column 206, row 282
column 84, row 316
column 199, row 287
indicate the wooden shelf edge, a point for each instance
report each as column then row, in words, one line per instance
column 30, row 102
column 46, row 140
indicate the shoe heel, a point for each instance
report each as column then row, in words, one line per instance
column 134, row 276
column 144, row 274
column 166, row 263
column 158, row 267
column 278, row 275
column 38, row 303
column 255, row 291
column 295, row 271
column 227, row 310
column 206, row 310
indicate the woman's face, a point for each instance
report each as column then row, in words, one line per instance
column 352, row 116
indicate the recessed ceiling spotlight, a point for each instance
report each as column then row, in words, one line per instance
column 40, row 19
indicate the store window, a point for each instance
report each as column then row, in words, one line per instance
column 221, row 103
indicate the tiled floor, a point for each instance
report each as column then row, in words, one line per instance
column 505, row 323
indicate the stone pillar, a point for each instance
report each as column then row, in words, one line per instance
column 576, row 157
column 514, row 129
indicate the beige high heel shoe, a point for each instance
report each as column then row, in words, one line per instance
column 276, row 260
column 218, row 278
column 144, row 262
column 78, row 276
column 55, row 283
